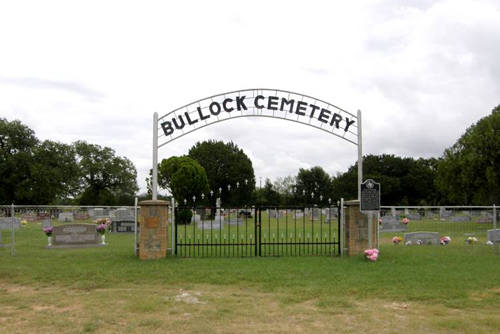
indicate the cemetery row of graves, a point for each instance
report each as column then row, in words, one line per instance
column 258, row 231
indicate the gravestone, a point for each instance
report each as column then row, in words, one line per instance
column 331, row 214
column 484, row 219
column 414, row 216
column 426, row 238
column 81, row 215
column 46, row 223
column 43, row 216
column 460, row 219
column 6, row 223
column 123, row 220
column 393, row 211
column 316, row 212
column 216, row 224
column 443, row 213
column 494, row 236
column 407, row 212
column 298, row 214
column 272, row 213
column 75, row 236
column 124, row 226
column 235, row 221
column 29, row 216
column 196, row 218
column 66, row 217
column 393, row 224
column 98, row 213
column 429, row 214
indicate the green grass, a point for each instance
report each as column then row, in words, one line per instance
column 459, row 277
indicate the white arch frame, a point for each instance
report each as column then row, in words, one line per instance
column 304, row 109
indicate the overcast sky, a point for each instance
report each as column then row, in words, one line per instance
column 420, row 71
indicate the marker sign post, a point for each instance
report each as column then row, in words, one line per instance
column 370, row 202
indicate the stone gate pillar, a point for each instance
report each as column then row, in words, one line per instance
column 153, row 229
column 356, row 228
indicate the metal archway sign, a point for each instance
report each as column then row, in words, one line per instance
column 259, row 102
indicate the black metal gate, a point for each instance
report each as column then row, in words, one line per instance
column 257, row 231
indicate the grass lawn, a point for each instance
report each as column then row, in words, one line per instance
column 418, row 289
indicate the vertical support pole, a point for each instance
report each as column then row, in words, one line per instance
column 370, row 229
column 12, row 233
column 172, row 229
column 342, row 226
column 135, row 226
column 495, row 227
column 360, row 155
column 154, row 181
column 378, row 229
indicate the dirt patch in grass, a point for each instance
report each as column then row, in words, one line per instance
column 227, row 309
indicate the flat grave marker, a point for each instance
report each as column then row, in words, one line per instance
column 426, row 238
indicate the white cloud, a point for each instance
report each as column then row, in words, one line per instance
column 421, row 72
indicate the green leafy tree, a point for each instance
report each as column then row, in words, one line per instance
column 54, row 173
column 313, row 181
column 468, row 172
column 34, row 172
column 17, row 142
column 404, row 181
column 226, row 165
column 184, row 177
column 186, row 180
column 285, row 187
column 104, row 177
column 267, row 195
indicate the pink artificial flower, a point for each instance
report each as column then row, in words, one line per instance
column 405, row 220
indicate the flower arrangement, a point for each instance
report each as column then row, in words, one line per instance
column 489, row 243
column 445, row 240
column 371, row 254
column 101, row 228
column 420, row 242
column 24, row 222
column 48, row 230
column 405, row 221
column 396, row 240
column 471, row 240
column 408, row 243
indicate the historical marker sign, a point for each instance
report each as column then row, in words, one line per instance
column 370, row 196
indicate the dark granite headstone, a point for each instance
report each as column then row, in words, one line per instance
column 127, row 226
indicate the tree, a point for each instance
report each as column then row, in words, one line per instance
column 34, row 172
column 186, row 180
column 184, row 177
column 285, row 187
column 468, row 171
column 54, row 173
column 226, row 166
column 104, row 177
column 311, row 184
column 404, row 181
column 17, row 142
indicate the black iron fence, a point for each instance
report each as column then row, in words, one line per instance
column 256, row 231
